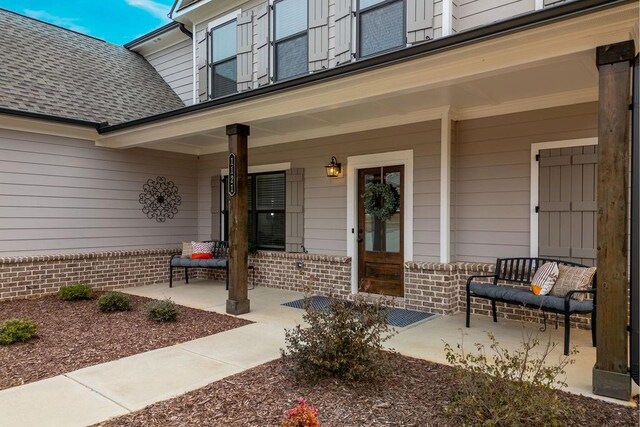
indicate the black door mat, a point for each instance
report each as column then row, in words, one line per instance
column 398, row 317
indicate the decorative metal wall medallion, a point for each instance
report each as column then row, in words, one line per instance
column 160, row 199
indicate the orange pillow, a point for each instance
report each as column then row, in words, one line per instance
column 202, row 250
column 201, row 256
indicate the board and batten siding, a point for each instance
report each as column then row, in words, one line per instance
column 474, row 13
column 62, row 195
column 325, row 199
column 492, row 173
column 175, row 66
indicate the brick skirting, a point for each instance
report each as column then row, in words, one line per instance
column 432, row 287
column 24, row 277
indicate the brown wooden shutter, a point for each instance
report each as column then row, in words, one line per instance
column 419, row 20
column 261, row 21
column 343, row 31
column 216, row 208
column 202, row 62
column 318, row 34
column 294, row 236
column 567, row 204
column 244, row 30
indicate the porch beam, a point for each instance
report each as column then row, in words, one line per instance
column 445, row 186
column 238, row 302
column 610, row 374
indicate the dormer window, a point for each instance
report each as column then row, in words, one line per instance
column 381, row 26
column 223, row 59
column 290, row 38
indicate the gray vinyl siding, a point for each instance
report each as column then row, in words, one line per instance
column 61, row 195
column 492, row 172
column 175, row 65
column 325, row 199
column 474, row 13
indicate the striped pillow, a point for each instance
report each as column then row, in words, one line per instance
column 202, row 250
column 573, row 278
column 545, row 278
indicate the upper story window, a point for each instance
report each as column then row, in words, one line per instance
column 223, row 59
column 290, row 38
column 381, row 26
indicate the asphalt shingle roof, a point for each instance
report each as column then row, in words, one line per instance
column 50, row 70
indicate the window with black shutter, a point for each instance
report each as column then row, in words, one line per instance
column 291, row 44
column 223, row 59
column 267, row 210
column 381, row 26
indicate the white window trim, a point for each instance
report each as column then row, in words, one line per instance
column 194, row 42
column 447, row 17
column 539, row 4
column 272, row 167
column 535, row 176
column 370, row 161
column 223, row 19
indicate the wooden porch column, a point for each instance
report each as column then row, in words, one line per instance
column 238, row 302
column 610, row 374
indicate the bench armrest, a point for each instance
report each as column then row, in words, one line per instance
column 569, row 296
column 481, row 276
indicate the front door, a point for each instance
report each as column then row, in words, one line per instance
column 380, row 231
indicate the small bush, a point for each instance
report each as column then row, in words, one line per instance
column 344, row 340
column 508, row 388
column 302, row 415
column 75, row 292
column 162, row 311
column 114, row 301
column 17, row 330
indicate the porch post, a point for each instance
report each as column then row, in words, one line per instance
column 238, row 302
column 445, row 187
column 610, row 373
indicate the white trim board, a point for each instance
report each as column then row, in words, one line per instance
column 535, row 176
column 272, row 167
column 445, row 187
column 354, row 163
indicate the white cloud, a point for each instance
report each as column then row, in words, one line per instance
column 61, row 21
column 156, row 9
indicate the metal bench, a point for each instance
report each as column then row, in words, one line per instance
column 518, row 273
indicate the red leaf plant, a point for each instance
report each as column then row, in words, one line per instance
column 302, row 415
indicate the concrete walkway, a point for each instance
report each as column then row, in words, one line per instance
column 100, row 392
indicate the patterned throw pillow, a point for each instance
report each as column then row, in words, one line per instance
column 187, row 249
column 202, row 250
column 545, row 278
column 573, row 278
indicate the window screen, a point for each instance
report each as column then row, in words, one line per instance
column 381, row 26
column 291, row 38
column 223, row 59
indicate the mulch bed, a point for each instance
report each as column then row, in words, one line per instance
column 413, row 395
column 74, row 335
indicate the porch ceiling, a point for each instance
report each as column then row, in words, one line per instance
column 538, row 68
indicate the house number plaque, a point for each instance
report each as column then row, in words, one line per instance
column 232, row 174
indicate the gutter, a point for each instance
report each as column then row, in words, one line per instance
column 527, row 21
column 145, row 37
column 52, row 118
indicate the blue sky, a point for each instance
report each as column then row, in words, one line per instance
column 117, row 21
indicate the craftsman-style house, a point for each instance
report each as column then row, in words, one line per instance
column 486, row 121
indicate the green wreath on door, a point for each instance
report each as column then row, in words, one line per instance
column 389, row 196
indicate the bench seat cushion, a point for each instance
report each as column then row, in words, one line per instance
column 525, row 296
column 199, row 263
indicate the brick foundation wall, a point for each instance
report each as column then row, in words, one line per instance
column 24, row 277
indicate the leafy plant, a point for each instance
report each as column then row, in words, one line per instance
column 162, row 311
column 508, row 388
column 75, row 292
column 17, row 330
column 302, row 415
column 114, row 301
column 252, row 248
column 343, row 340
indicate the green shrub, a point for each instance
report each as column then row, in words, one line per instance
column 508, row 388
column 344, row 341
column 17, row 330
column 162, row 311
column 75, row 292
column 114, row 301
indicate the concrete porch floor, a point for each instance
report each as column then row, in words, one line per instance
column 423, row 340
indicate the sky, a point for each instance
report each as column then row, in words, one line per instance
column 116, row 21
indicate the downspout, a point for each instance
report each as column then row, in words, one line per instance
column 173, row 7
column 635, row 225
column 184, row 30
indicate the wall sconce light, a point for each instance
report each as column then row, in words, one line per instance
column 333, row 168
